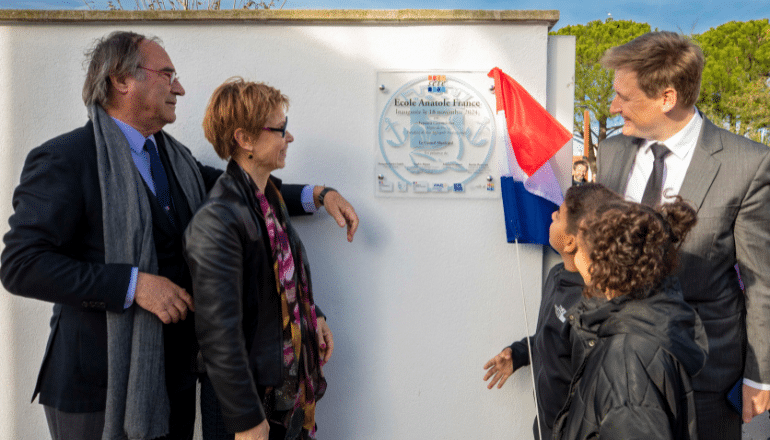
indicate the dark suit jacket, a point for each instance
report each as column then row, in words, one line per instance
column 728, row 181
column 55, row 252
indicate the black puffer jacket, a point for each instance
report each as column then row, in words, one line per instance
column 634, row 360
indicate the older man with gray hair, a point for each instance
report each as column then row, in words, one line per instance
column 97, row 225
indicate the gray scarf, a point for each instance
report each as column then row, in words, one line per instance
column 137, row 401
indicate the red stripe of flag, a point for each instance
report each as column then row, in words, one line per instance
column 535, row 135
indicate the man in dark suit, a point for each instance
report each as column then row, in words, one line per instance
column 75, row 205
column 667, row 148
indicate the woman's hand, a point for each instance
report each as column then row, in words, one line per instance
column 340, row 209
column 325, row 340
column 501, row 367
column 259, row 432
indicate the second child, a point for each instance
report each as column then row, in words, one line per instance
column 561, row 290
column 636, row 343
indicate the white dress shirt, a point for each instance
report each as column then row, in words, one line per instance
column 682, row 145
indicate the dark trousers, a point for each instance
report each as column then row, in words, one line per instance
column 74, row 426
column 89, row 426
column 182, row 420
column 212, row 424
column 716, row 419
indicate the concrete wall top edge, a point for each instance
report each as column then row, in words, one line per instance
column 328, row 16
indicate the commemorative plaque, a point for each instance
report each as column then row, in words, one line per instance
column 436, row 135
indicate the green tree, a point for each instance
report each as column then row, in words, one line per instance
column 734, row 90
column 593, row 84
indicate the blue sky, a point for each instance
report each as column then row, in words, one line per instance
column 688, row 16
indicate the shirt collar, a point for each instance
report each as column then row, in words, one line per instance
column 135, row 139
column 684, row 140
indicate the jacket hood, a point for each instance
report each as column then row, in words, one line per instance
column 663, row 317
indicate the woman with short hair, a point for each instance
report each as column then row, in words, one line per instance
column 262, row 340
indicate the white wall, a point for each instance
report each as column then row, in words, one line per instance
column 426, row 293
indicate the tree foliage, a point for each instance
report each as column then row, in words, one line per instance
column 593, row 84
column 735, row 90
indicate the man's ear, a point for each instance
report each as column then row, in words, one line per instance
column 120, row 85
column 570, row 243
column 670, row 98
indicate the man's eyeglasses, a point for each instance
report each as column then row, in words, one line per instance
column 281, row 130
column 172, row 76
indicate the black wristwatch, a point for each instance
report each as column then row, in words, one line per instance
column 323, row 194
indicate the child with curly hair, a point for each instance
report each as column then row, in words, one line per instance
column 561, row 290
column 635, row 342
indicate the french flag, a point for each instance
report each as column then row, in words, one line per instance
column 530, row 192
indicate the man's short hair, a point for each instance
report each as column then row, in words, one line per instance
column 579, row 162
column 661, row 60
column 116, row 54
column 239, row 104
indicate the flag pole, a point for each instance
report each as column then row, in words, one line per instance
column 529, row 342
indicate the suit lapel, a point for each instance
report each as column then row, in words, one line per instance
column 703, row 167
column 620, row 165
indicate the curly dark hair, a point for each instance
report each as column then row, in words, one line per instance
column 632, row 247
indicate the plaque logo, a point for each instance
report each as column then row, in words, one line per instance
column 437, row 83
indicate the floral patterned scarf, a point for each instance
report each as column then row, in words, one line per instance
column 293, row 402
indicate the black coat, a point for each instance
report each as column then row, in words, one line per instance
column 238, row 310
column 54, row 252
column 551, row 351
column 634, row 362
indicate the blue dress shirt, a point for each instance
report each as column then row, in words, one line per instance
column 142, row 161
